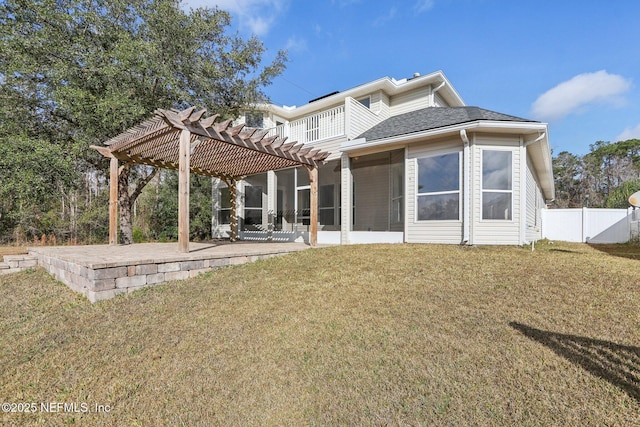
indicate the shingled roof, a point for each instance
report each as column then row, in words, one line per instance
column 434, row 118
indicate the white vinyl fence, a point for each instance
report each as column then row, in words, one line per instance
column 590, row 225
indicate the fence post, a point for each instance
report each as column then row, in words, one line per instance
column 585, row 225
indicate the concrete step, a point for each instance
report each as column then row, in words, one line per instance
column 4, row 266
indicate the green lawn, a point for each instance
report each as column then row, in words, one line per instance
column 352, row 335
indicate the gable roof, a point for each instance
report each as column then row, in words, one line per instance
column 433, row 118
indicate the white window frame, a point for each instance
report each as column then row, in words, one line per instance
column 418, row 194
column 482, row 189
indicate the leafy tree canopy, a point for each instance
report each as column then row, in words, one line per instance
column 77, row 72
column 82, row 71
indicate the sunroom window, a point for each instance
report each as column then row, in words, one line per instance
column 224, row 214
column 326, row 205
column 497, row 185
column 438, row 192
column 253, row 205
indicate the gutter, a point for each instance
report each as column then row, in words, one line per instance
column 406, row 138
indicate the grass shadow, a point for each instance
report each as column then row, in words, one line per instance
column 615, row 363
column 623, row 250
column 568, row 251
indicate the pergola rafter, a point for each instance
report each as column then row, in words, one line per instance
column 191, row 143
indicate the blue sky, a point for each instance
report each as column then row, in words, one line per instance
column 572, row 64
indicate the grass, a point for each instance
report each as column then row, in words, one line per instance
column 353, row 335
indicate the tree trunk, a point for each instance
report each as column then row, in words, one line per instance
column 126, row 201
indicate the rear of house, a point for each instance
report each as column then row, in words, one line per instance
column 410, row 162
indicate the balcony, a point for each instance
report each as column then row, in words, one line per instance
column 348, row 120
column 323, row 125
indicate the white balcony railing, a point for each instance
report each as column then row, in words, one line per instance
column 323, row 125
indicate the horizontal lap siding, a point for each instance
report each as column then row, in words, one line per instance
column 411, row 101
column 359, row 118
column 331, row 146
column 428, row 231
column 534, row 229
column 380, row 105
column 439, row 101
column 496, row 232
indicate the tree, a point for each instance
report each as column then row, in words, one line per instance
column 619, row 198
column 603, row 176
column 567, row 170
column 77, row 72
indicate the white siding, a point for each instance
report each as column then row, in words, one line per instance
column 428, row 231
column 359, row 118
column 411, row 101
column 535, row 203
column 439, row 101
column 330, row 145
column 380, row 104
column 495, row 232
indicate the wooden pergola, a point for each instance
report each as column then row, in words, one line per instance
column 188, row 142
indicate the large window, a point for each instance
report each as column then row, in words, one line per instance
column 497, row 184
column 438, row 193
column 253, row 205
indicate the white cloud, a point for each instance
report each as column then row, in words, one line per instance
column 258, row 16
column 578, row 92
column 629, row 133
column 296, row 44
column 423, row 5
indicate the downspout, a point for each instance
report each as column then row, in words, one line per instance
column 523, row 187
column 433, row 92
column 466, row 208
column 523, row 191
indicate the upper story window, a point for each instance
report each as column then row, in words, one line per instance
column 497, row 184
column 254, row 119
column 438, row 192
column 366, row 101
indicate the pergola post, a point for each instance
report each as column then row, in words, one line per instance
column 183, row 191
column 313, row 222
column 233, row 223
column 113, row 201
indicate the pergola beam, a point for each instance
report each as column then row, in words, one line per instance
column 189, row 142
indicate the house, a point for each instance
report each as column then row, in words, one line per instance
column 409, row 162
